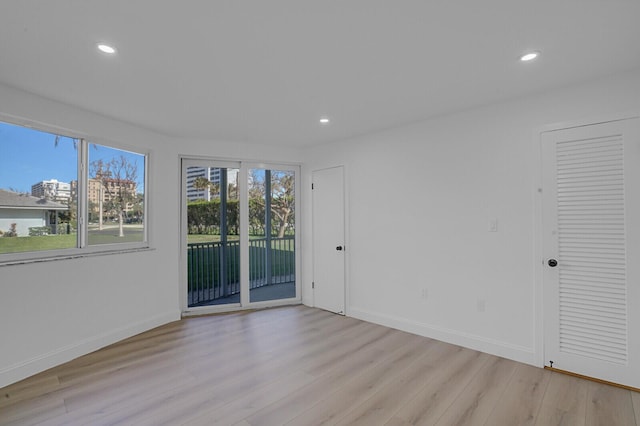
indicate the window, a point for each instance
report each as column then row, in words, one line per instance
column 115, row 196
column 52, row 206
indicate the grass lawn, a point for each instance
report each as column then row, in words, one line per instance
column 204, row 238
column 45, row 242
column 110, row 235
column 203, row 262
column 132, row 233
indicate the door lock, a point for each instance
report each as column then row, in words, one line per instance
column 339, row 248
column 553, row 263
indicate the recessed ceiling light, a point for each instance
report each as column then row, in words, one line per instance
column 530, row 56
column 324, row 120
column 105, row 48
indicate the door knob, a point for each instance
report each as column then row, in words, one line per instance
column 339, row 248
column 553, row 263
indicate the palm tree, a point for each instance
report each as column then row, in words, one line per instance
column 202, row 183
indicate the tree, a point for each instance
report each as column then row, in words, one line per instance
column 282, row 199
column 205, row 184
column 117, row 179
column 201, row 183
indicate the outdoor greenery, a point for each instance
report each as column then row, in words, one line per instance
column 203, row 217
column 216, row 267
column 206, row 257
column 37, row 243
column 65, row 241
column 117, row 179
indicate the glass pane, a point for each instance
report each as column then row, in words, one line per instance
column 38, row 207
column 115, row 194
column 272, row 235
column 213, row 236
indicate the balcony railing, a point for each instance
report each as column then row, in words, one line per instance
column 209, row 281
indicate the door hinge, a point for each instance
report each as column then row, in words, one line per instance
column 313, row 284
column 311, row 186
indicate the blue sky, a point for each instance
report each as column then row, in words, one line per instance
column 29, row 156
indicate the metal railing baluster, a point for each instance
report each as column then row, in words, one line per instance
column 205, row 277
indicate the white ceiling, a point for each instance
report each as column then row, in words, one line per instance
column 264, row 71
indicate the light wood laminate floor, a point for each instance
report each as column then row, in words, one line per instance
column 303, row 366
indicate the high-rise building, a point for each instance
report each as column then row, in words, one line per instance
column 52, row 190
column 109, row 189
column 212, row 174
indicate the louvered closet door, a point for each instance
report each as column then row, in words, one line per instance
column 591, row 218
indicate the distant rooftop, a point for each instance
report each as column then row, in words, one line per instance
column 15, row 200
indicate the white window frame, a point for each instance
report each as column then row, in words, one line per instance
column 82, row 247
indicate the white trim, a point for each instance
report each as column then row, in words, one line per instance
column 471, row 341
column 70, row 133
column 29, row 367
column 608, row 118
column 5, row 207
column 538, row 317
column 243, row 192
column 347, row 241
column 77, row 255
column 236, row 307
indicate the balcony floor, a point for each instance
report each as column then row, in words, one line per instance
column 260, row 294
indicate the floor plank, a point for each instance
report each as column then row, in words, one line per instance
column 354, row 369
column 303, row 366
column 564, row 402
column 522, row 398
column 474, row 405
column 381, row 406
column 31, row 411
column 247, row 404
column 608, row 405
column 341, row 400
column 28, row 389
column 446, row 384
column 635, row 397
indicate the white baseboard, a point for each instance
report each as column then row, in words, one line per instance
column 479, row 343
column 29, row 367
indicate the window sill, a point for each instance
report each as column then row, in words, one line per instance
column 75, row 255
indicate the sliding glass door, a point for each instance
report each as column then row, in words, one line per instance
column 213, row 234
column 239, row 235
column 272, row 232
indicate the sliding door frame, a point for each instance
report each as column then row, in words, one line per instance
column 243, row 175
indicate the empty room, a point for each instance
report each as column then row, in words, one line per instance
column 343, row 212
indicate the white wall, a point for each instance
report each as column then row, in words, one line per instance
column 420, row 199
column 23, row 218
column 54, row 311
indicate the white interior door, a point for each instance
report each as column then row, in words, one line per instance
column 328, row 239
column 591, row 244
